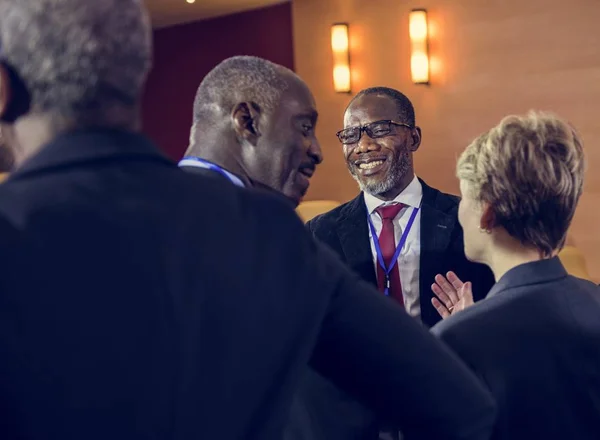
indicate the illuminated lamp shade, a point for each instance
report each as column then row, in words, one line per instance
column 341, row 58
column 419, row 46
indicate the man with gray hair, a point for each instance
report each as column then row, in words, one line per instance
column 141, row 302
column 254, row 123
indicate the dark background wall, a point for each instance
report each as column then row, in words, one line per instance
column 184, row 54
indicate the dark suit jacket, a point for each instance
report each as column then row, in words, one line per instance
column 535, row 341
column 138, row 301
column 323, row 412
column 346, row 231
column 254, row 185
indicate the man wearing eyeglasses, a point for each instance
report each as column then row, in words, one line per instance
column 397, row 234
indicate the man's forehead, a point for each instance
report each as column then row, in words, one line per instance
column 370, row 108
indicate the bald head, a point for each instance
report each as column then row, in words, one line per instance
column 78, row 59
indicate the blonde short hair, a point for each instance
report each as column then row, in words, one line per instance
column 529, row 169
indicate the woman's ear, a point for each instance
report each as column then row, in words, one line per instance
column 488, row 218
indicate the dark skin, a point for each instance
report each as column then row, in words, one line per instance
column 387, row 180
column 10, row 154
column 278, row 149
column 6, row 155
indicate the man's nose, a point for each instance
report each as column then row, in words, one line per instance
column 314, row 151
column 366, row 144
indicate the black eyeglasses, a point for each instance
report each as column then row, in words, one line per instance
column 374, row 130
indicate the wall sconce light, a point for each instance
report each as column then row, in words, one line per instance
column 341, row 57
column 419, row 42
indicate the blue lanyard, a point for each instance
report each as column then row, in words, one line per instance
column 388, row 270
column 195, row 161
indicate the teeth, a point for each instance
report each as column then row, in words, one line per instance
column 368, row 166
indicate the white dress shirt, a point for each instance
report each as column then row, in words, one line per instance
column 408, row 260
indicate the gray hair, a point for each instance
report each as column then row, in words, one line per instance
column 78, row 58
column 239, row 79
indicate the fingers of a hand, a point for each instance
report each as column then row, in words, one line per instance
column 439, row 292
column 447, row 287
column 443, row 311
column 454, row 280
column 465, row 289
column 467, row 293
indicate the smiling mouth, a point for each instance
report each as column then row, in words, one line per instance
column 369, row 164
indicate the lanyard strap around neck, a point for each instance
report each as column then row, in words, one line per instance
column 195, row 161
column 387, row 270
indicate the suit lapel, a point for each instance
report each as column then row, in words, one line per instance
column 353, row 233
column 436, row 230
column 436, row 234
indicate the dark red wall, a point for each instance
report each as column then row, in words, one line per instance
column 184, row 54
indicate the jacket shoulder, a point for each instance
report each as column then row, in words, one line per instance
column 441, row 200
column 327, row 221
column 451, row 198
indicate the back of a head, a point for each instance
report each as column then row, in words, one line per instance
column 239, row 79
column 80, row 60
column 530, row 170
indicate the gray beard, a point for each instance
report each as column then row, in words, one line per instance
column 400, row 167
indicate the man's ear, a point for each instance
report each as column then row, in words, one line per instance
column 245, row 117
column 488, row 218
column 5, row 91
column 415, row 139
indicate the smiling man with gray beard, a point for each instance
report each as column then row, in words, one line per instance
column 397, row 234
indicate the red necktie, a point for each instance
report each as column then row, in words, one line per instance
column 387, row 243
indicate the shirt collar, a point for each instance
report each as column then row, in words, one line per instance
column 411, row 196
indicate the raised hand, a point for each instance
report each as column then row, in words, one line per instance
column 452, row 295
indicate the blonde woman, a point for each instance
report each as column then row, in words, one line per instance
column 535, row 339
